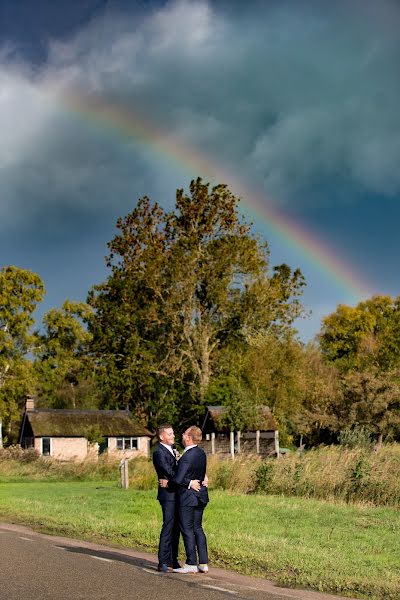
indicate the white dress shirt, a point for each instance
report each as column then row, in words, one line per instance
column 168, row 448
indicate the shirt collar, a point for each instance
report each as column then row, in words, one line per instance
column 168, row 448
column 189, row 447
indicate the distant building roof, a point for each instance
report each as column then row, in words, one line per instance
column 77, row 423
column 214, row 421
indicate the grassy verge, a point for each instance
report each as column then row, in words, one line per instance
column 351, row 550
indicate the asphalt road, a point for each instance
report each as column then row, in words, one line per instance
column 39, row 567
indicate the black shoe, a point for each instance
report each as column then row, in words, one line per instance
column 176, row 565
column 162, row 568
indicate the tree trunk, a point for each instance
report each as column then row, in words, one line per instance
column 205, row 366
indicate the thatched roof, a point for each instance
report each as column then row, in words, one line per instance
column 214, row 420
column 78, row 423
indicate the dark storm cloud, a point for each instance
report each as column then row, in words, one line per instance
column 295, row 94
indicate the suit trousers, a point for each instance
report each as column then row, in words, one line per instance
column 169, row 536
column 190, row 519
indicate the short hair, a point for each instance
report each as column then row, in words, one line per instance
column 162, row 428
column 195, row 433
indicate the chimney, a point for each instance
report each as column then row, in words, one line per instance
column 30, row 403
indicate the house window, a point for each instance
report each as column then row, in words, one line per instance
column 127, row 443
column 46, row 446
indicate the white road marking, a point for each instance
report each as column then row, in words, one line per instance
column 26, row 539
column 60, row 547
column 152, row 571
column 219, row 589
column 100, row 558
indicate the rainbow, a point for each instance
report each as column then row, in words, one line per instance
column 123, row 121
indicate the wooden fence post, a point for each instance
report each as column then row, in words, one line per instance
column 276, row 443
column 126, row 473
column 213, row 443
column 124, row 470
column 232, row 443
column 239, row 434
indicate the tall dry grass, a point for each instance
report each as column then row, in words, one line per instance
column 335, row 473
column 142, row 475
column 26, row 465
column 328, row 473
column 234, row 475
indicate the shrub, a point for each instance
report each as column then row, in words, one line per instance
column 356, row 437
column 17, row 453
column 262, row 477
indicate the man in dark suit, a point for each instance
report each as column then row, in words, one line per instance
column 165, row 463
column 193, row 498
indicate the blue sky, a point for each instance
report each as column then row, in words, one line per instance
column 298, row 98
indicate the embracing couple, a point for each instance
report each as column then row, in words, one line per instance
column 183, row 496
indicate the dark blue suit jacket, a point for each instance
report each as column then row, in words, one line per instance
column 165, row 464
column 192, row 465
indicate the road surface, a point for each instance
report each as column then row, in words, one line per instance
column 42, row 567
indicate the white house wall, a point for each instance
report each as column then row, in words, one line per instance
column 143, row 450
column 65, row 448
column 76, row 449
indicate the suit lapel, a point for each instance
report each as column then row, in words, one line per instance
column 171, row 456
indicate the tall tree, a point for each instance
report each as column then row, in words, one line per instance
column 64, row 367
column 20, row 292
column 371, row 398
column 183, row 285
column 363, row 342
column 320, row 392
column 365, row 335
column 288, row 377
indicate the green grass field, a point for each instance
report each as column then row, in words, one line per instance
column 351, row 550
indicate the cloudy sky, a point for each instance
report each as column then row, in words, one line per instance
column 298, row 99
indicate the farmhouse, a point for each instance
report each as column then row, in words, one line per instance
column 79, row 434
column 218, row 438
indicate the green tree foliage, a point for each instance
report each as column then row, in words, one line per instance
column 283, row 374
column 183, row 286
column 371, row 398
column 20, row 292
column 242, row 408
column 63, row 366
column 363, row 342
column 365, row 335
column 320, row 394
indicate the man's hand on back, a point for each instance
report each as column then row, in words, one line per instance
column 195, row 485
